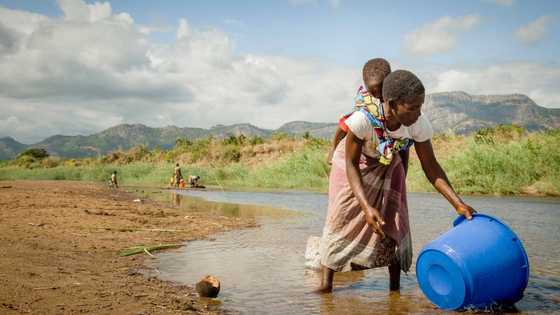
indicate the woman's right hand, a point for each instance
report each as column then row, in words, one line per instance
column 465, row 210
column 373, row 218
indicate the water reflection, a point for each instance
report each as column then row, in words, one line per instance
column 262, row 269
column 176, row 199
column 182, row 200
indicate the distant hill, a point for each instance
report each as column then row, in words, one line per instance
column 318, row 130
column 221, row 131
column 9, row 148
column 118, row 137
column 451, row 112
column 461, row 113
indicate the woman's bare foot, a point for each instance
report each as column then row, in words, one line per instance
column 323, row 289
column 327, row 276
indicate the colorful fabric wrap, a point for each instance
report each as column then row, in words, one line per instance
column 373, row 110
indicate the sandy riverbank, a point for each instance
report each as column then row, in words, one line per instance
column 59, row 245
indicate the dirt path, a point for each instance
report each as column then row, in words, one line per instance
column 59, row 243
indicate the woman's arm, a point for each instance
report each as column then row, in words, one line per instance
column 353, row 153
column 438, row 178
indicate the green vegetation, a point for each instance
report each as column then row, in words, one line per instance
column 34, row 153
column 501, row 160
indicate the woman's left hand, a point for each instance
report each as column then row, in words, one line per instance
column 465, row 210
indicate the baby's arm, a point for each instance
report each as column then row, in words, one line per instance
column 339, row 135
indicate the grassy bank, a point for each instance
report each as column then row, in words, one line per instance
column 299, row 170
column 502, row 164
column 504, row 160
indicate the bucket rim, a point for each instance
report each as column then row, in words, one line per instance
column 458, row 261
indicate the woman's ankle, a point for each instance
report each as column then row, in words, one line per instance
column 394, row 277
column 327, row 276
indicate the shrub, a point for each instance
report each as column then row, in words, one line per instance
column 35, row 153
column 256, row 140
column 499, row 134
column 231, row 154
column 279, row 135
column 50, row 162
column 182, row 142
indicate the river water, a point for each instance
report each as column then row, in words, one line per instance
column 262, row 269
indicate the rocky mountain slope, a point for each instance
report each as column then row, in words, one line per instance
column 449, row 112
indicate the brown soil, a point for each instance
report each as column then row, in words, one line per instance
column 59, row 244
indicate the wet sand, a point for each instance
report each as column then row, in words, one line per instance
column 59, row 242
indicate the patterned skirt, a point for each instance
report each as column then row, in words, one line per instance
column 348, row 242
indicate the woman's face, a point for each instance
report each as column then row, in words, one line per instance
column 407, row 112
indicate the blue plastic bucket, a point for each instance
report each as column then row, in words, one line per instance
column 477, row 263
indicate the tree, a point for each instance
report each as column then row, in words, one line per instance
column 36, row 153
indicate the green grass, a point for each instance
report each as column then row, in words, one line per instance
column 137, row 173
column 496, row 165
column 301, row 170
column 531, row 164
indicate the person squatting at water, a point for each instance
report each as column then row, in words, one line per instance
column 367, row 223
column 193, row 181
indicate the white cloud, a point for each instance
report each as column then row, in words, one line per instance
column 80, row 74
column 20, row 21
column 534, row 31
column 74, row 10
column 99, row 11
column 184, row 29
column 94, row 68
column 539, row 81
column 439, row 36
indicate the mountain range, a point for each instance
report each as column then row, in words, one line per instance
column 449, row 112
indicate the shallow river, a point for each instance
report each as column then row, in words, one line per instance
column 262, row 269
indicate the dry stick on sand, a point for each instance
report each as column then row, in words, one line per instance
column 147, row 252
column 146, row 249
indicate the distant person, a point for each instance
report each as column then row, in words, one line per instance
column 172, row 181
column 114, row 182
column 369, row 93
column 182, row 184
column 367, row 223
column 178, row 175
column 193, row 181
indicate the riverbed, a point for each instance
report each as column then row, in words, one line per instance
column 262, row 269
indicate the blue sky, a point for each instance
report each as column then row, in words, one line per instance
column 103, row 63
column 348, row 33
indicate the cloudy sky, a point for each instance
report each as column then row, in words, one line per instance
column 77, row 67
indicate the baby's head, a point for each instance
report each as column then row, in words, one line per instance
column 404, row 93
column 374, row 72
